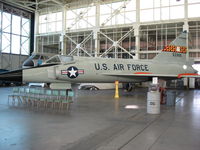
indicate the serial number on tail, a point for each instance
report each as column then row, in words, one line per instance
column 176, row 54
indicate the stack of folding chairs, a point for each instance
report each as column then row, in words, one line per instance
column 36, row 97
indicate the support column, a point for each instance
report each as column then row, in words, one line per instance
column 36, row 31
column 137, row 29
column 186, row 10
column 137, row 41
column 137, row 11
column 97, row 42
column 63, row 43
column 186, row 27
column 97, row 29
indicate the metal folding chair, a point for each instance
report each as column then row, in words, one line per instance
column 15, row 94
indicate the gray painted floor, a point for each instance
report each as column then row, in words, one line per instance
column 96, row 121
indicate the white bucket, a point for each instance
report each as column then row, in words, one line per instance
column 153, row 102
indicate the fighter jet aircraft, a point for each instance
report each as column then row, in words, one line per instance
column 60, row 71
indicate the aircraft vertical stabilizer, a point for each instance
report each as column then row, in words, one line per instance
column 175, row 51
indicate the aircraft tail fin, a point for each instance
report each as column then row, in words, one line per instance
column 175, row 51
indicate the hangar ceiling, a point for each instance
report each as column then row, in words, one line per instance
column 33, row 5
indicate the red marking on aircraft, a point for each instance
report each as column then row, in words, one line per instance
column 187, row 74
column 142, row 73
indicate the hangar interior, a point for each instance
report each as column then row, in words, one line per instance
column 129, row 29
column 120, row 29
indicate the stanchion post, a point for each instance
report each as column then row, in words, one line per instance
column 116, row 89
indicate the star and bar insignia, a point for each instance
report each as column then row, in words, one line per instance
column 72, row 72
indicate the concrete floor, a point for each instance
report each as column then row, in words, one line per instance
column 98, row 122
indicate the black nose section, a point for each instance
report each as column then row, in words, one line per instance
column 15, row 76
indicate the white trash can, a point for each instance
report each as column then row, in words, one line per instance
column 153, row 102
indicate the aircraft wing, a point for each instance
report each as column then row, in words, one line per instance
column 15, row 75
column 146, row 74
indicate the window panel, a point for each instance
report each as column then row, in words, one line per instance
column 193, row 38
column 164, row 2
column 91, row 20
column 81, row 18
column 82, row 24
column 15, row 45
column 59, row 26
column 14, row 28
column 5, row 43
column 159, row 40
column 25, row 46
column 117, row 13
column 6, row 22
column 176, row 2
column 143, row 41
column 151, row 55
column 193, row 10
column 69, row 23
column 116, row 5
column 70, row 15
column 105, row 9
column 130, row 17
column 146, row 15
column 176, row 12
column 193, row 1
column 103, row 20
column 192, row 54
column 113, row 20
column 156, row 3
column 51, row 27
column 143, row 56
column 59, row 16
column 171, row 35
column 157, row 14
column 25, row 27
column 119, row 19
column 152, row 40
column 91, row 11
column 165, row 13
column 48, row 23
column 74, row 26
column 162, row 10
column 43, row 28
column 131, row 6
column 146, row 4
column 43, row 18
column 79, row 11
column 16, row 24
column 51, row 17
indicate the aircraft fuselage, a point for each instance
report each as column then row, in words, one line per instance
column 97, row 69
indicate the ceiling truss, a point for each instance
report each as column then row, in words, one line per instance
column 33, row 5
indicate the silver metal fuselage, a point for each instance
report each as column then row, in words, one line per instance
column 102, row 70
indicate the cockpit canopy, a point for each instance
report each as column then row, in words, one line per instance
column 36, row 59
column 59, row 59
column 39, row 56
